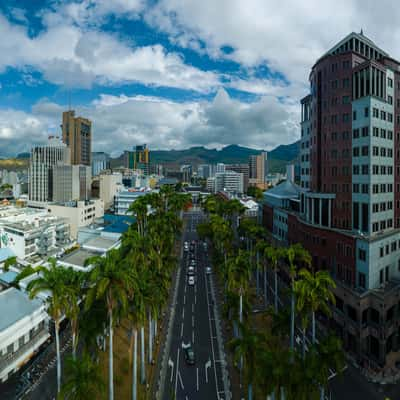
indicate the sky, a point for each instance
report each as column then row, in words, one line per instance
column 171, row 73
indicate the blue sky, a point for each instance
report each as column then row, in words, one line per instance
column 169, row 73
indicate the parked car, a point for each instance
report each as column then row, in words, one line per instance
column 189, row 356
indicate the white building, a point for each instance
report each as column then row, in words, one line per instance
column 109, row 184
column 23, row 329
column 31, row 233
column 42, row 160
column 124, row 199
column 78, row 213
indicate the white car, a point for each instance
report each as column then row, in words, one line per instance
column 191, row 280
column 190, row 270
column 208, row 270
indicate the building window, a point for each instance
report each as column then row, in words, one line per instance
column 381, row 253
column 365, row 188
column 364, row 151
column 365, row 131
column 390, row 82
column 375, row 131
column 390, row 116
column 356, row 188
column 381, row 276
column 361, row 280
column 390, row 99
column 383, row 115
column 345, row 100
column 354, row 116
column 356, row 133
column 345, row 117
column 365, row 169
column 362, row 254
column 383, row 133
column 356, row 151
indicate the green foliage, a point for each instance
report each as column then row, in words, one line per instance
column 255, row 192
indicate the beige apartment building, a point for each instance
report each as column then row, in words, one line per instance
column 109, row 185
column 79, row 213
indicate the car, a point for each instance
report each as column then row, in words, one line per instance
column 193, row 262
column 208, row 270
column 189, row 356
column 191, row 280
column 190, row 270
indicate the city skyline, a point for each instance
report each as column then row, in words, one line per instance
column 181, row 77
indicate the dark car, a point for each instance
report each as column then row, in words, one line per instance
column 189, row 356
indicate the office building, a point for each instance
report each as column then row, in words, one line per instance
column 71, row 183
column 186, row 173
column 219, row 168
column 204, row 171
column 77, row 135
column 42, row 161
column 258, row 169
column 229, row 181
column 78, row 213
column 241, row 169
column 347, row 209
column 100, row 162
column 110, row 184
column 139, row 158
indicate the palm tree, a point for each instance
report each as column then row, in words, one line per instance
column 296, row 255
column 314, row 292
column 273, row 255
column 239, row 273
column 74, row 281
column 109, row 280
column 11, row 261
column 245, row 348
column 51, row 280
column 83, row 380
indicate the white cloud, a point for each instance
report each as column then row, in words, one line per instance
column 70, row 56
column 287, row 36
column 121, row 121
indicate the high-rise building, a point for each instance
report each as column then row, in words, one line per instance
column 100, row 162
column 220, row 167
column 258, row 169
column 241, row 169
column 71, row 183
column 139, row 158
column 77, row 135
column 186, row 173
column 110, row 184
column 348, row 216
column 42, row 161
column 228, row 181
column 204, row 171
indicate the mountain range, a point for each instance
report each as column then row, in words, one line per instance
column 232, row 154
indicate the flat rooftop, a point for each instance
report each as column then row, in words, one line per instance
column 78, row 257
column 14, row 306
column 99, row 243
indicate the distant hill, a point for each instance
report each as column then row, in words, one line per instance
column 14, row 164
column 23, row 155
column 278, row 158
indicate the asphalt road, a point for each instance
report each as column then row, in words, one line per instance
column 194, row 324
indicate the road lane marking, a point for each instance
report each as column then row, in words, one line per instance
column 192, row 308
column 183, row 313
column 197, row 378
column 184, row 299
column 193, row 337
column 177, row 371
column 180, row 380
column 193, row 321
column 181, row 329
column 171, row 364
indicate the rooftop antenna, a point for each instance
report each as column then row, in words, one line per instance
column 361, row 32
